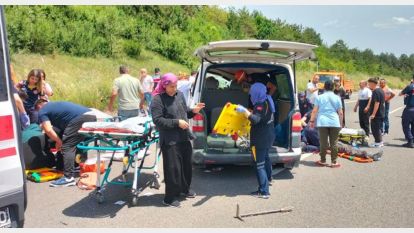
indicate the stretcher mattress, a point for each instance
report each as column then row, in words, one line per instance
column 352, row 132
column 132, row 127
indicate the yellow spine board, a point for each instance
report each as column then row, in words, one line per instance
column 43, row 174
column 231, row 122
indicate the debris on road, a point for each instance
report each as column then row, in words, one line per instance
column 241, row 216
column 119, row 203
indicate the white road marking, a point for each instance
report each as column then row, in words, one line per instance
column 396, row 109
column 277, row 171
column 350, row 102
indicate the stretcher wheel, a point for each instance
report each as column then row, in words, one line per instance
column 100, row 197
column 156, row 184
column 135, row 200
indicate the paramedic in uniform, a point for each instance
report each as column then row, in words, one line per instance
column 261, row 135
column 170, row 115
column 364, row 95
column 68, row 118
column 408, row 113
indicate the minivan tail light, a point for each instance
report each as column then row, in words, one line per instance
column 7, row 133
column 296, row 122
column 198, row 123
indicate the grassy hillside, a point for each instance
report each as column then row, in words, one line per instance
column 88, row 81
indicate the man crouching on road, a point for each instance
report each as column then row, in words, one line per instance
column 68, row 118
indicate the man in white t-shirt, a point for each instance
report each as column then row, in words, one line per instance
column 364, row 96
column 147, row 85
column 312, row 91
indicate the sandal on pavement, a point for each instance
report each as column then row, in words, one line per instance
column 320, row 163
column 335, row 165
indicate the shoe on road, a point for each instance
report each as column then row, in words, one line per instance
column 377, row 145
column 175, row 204
column 63, row 182
column 189, row 194
column 408, row 144
column 258, row 194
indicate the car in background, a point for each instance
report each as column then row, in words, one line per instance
column 326, row 75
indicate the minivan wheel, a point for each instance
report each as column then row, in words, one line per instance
column 13, row 218
column 21, row 224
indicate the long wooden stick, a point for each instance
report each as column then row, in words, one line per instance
column 241, row 216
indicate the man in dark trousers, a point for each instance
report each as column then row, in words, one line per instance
column 408, row 113
column 364, row 96
column 68, row 118
column 340, row 91
column 376, row 111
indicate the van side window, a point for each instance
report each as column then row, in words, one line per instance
column 3, row 80
column 282, row 86
column 214, row 81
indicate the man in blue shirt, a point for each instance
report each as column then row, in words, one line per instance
column 68, row 118
column 408, row 113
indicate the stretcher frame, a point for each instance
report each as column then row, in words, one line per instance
column 133, row 143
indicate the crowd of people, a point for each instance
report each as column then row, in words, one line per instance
column 327, row 112
column 166, row 99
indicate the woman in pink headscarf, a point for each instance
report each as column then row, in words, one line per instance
column 170, row 114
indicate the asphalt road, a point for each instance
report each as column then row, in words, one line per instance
column 378, row 194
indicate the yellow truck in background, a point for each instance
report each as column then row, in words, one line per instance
column 326, row 75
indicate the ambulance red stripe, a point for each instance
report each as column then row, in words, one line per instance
column 7, row 152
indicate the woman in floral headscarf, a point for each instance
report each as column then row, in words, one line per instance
column 170, row 114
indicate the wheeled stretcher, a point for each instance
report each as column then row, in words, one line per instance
column 130, row 136
column 352, row 136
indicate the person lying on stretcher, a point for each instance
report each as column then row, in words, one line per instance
column 310, row 143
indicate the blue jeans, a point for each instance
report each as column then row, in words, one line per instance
column 386, row 125
column 125, row 114
column 148, row 99
column 263, row 168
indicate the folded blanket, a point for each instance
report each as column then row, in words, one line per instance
column 348, row 131
column 135, row 125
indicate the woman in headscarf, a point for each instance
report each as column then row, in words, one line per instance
column 170, row 114
column 261, row 135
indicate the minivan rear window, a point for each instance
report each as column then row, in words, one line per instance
column 3, row 80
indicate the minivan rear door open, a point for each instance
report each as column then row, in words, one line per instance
column 256, row 51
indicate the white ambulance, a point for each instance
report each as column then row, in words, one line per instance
column 12, row 178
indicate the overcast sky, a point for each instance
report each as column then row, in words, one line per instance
column 380, row 28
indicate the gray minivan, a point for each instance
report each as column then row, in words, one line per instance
column 12, row 178
column 216, row 85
